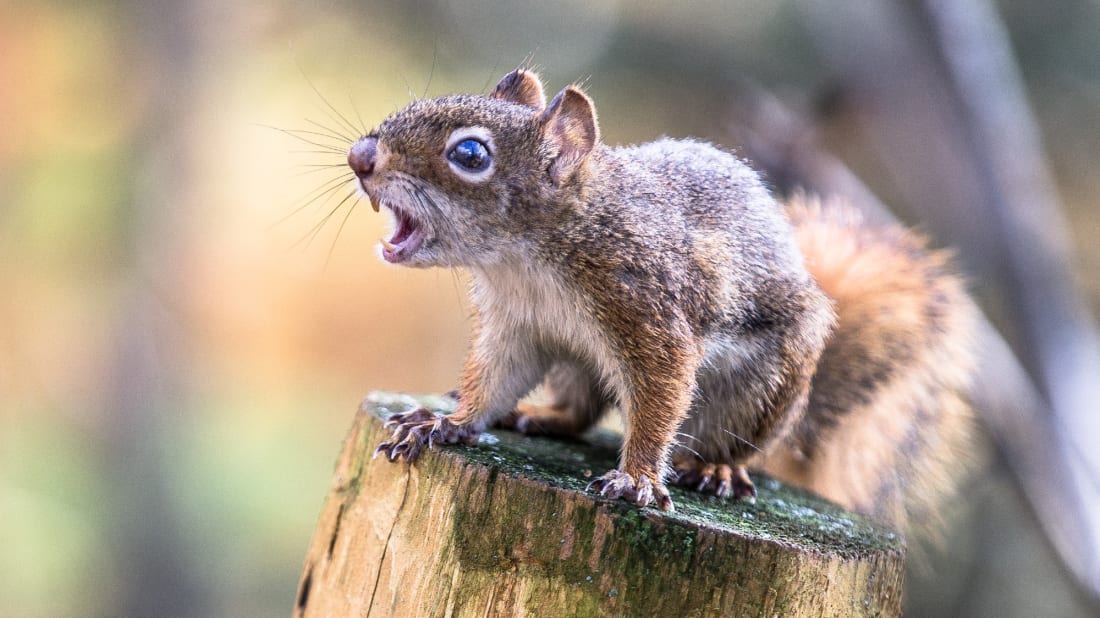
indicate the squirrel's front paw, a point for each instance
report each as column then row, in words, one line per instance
column 420, row 427
column 643, row 491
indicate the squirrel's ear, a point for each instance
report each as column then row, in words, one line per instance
column 521, row 86
column 570, row 124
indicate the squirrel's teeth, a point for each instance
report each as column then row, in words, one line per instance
column 374, row 203
column 388, row 245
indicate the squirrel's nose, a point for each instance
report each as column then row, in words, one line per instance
column 362, row 155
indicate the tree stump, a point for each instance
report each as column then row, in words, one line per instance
column 504, row 528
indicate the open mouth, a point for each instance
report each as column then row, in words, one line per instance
column 406, row 240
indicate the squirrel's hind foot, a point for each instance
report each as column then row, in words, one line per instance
column 618, row 484
column 418, row 428
column 719, row 479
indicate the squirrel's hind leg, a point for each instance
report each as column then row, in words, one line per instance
column 577, row 403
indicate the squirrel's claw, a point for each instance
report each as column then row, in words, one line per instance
column 418, row 415
column 419, row 428
column 642, row 492
column 719, row 479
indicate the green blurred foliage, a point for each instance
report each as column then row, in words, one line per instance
column 54, row 520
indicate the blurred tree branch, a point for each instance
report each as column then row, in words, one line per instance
column 1060, row 340
column 937, row 93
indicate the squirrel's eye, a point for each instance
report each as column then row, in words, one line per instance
column 470, row 154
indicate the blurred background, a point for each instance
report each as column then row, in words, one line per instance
column 184, row 336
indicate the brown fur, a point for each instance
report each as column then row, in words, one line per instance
column 664, row 279
column 887, row 426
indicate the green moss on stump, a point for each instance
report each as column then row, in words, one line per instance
column 782, row 513
column 506, row 525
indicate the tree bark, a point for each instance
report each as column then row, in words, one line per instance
column 505, row 529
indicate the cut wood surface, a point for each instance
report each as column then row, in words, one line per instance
column 505, row 528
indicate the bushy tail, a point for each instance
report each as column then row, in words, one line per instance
column 887, row 431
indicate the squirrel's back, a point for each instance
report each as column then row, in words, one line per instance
column 694, row 200
column 888, row 427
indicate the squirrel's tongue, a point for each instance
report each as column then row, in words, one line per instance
column 406, row 239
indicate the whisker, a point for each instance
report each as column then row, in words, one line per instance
column 334, row 181
column 758, row 449
column 333, row 133
column 307, row 172
column 322, row 193
column 312, row 234
column 294, row 133
column 321, row 199
column 408, row 89
column 338, row 116
column 320, row 152
column 358, row 116
column 326, row 132
column 680, row 433
column 492, row 73
column 431, row 72
column 427, row 198
column 339, row 231
column 688, row 449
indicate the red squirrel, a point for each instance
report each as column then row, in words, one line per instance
column 665, row 280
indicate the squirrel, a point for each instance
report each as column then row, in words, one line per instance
column 664, row 279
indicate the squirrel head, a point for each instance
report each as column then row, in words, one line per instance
column 471, row 179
